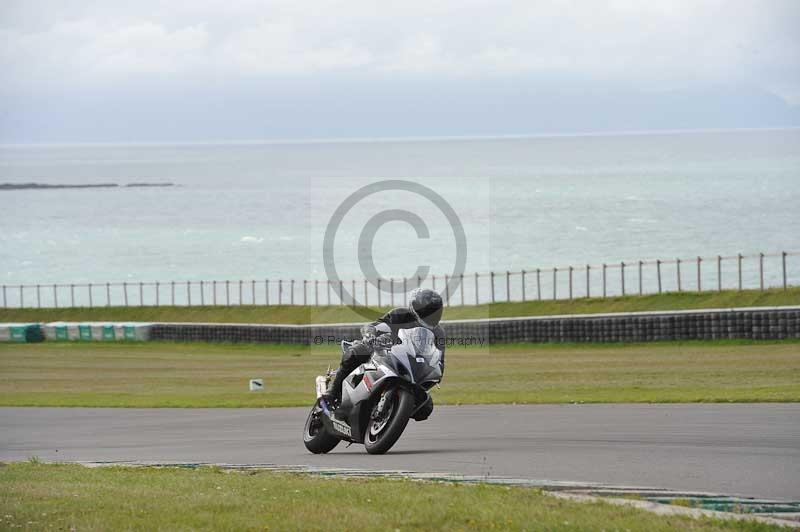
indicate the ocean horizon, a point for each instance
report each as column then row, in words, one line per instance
column 259, row 209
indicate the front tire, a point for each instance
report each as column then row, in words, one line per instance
column 315, row 437
column 380, row 435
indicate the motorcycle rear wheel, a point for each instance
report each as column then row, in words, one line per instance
column 389, row 430
column 315, row 437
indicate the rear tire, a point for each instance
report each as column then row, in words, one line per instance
column 388, row 436
column 315, row 437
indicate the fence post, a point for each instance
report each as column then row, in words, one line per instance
column 658, row 274
column 622, row 275
column 227, row 293
column 241, row 282
column 341, row 290
column 433, row 282
column 72, row 296
column 538, row 284
column 316, row 292
column 280, row 291
column 21, row 297
column 5, row 301
column 719, row 273
column 188, row 293
column 353, row 295
column 305, row 297
column 366, row 291
column 761, row 270
column 461, row 289
column 266, row 292
column 141, row 293
column 446, row 291
column 158, row 296
column 328, row 291
column 214, row 292
column 739, row 257
column 783, row 258
column 55, row 295
column 555, row 271
column 171, row 291
column 89, row 288
column 202, row 294
column 125, row 293
column 491, row 276
column 604, row 280
column 508, row 286
column 522, row 283
column 570, row 282
column 291, row 292
column 253, row 292
column 405, row 291
column 476, row 289
column 588, row 287
column 699, row 284
column 391, row 290
column 379, row 292
column 678, row 269
column 640, row 278
column 38, row 296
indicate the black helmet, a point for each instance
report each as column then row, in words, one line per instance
column 426, row 306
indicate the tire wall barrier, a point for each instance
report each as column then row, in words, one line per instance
column 765, row 324
column 74, row 331
column 750, row 324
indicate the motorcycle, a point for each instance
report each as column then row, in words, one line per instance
column 378, row 397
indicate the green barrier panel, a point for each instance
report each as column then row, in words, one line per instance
column 85, row 332
column 108, row 332
column 130, row 332
column 25, row 332
column 17, row 334
column 61, row 332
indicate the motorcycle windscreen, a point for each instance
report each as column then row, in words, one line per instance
column 424, row 357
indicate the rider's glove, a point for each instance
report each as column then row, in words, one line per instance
column 383, row 341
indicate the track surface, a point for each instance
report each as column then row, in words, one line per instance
column 751, row 450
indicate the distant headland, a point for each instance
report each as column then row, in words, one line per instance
column 45, row 186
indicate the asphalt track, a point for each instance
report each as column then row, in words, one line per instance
column 740, row 449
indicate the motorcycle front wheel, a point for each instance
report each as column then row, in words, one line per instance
column 384, row 431
column 315, row 437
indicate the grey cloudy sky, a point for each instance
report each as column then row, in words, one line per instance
column 243, row 69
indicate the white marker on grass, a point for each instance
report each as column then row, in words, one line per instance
column 256, row 385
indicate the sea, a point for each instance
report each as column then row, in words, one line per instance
column 400, row 208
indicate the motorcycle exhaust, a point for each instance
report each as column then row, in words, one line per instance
column 321, row 385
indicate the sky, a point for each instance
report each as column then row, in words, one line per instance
column 154, row 71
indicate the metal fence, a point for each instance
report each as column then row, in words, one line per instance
column 716, row 273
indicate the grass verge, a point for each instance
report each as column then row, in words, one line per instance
column 217, row 375
column 70, row 497
column 337, row 314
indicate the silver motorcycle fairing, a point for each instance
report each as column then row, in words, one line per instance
column 415, row 359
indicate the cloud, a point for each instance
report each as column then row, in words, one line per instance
column 283, row 46
column 638, row 42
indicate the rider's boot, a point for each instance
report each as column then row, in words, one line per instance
column 333, row 395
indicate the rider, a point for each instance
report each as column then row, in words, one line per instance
column 424, row 310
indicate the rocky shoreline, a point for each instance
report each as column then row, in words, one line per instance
column 47, row 186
